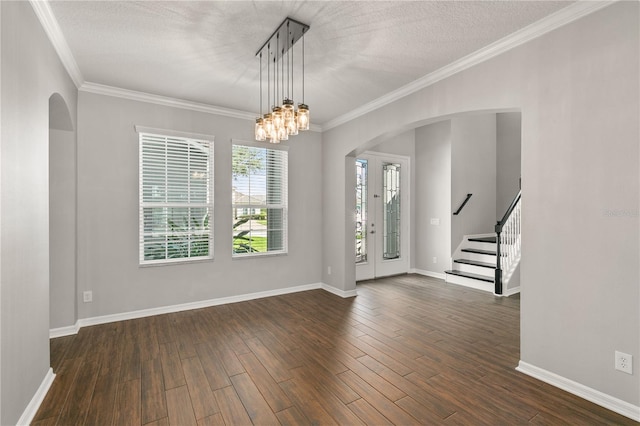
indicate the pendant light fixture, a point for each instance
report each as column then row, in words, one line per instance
column 282, row 118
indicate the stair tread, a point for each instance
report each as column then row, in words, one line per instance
column 476, row 263
column 470, row 275
column 483, row 239
column 479, row 251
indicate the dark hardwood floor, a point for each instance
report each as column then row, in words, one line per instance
column 407, row 350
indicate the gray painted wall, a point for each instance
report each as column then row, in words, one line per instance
column 473, row 171
column 62, row 228
column 433, row 197
column 108, row 213
column 508, row 142
column 31, row 73
column 577, row 88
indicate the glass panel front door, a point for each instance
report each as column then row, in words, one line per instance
column 361, row 210
column 381, row 216
column 391, row 203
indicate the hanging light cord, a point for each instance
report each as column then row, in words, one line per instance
column 303, row 67
column 260, row 84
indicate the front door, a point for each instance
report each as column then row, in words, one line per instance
column 382, row 216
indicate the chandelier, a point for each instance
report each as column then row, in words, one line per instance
column 277, row 56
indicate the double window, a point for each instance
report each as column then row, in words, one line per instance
column 176, row 200
column 259, row 200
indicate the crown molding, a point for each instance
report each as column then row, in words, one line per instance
column 133, row 95
column 52, row 28
column 556, row 20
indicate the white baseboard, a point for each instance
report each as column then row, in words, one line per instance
column 338, row 292
column 64, row 331
column 511, row 291
column 607, row 401
column 437, row 275
column 84, row 322
column 31, row 410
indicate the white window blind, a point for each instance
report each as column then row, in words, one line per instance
column 259, row 200
column 176, row 200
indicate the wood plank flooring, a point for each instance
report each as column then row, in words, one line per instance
column 407, row 350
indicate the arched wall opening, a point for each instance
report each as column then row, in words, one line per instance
column 62, row 215
column 475, row 152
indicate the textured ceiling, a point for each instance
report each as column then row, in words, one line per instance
column 356, row 51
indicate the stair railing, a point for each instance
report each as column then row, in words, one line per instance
column 457, row 212
column 508, row 241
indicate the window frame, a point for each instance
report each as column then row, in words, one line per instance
column 186, row 138
column 284, row 205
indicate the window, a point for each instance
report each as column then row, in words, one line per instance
column 259, row 200
column 361, row 210
column 176, row 203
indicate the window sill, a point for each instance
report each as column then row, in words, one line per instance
column 175, row 262
column 258, row 255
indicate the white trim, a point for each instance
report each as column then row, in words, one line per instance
column 431, row 274
column 134, row 95
column 193, row 305
column 556, row 20
column 52, row 28
column 607, row 401
column 64, row 331
column 462, row 281
column 85, row 322
column 102, row 89
column 31, row 410
column 173, row 133
column 338, row 292
column 282, row 146
column 510, row 292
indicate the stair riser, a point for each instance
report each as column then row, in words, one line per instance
column 480, row 246
column 488, row 272
column 469, row 282
column 479, row 257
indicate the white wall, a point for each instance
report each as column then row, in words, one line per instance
column 108, row 213
column 433, row 197
column 473, row 171
column 31, row 73
column 508, row 142
column 577, row 88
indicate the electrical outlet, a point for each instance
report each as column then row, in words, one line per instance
column 435, row 259
column 435, row 221
column 87, row 296
column 328, row 270
column 624, row 362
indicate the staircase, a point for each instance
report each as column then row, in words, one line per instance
column 491, row 262
column 474, row 263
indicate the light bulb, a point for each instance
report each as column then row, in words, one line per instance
column 268, row 124
column 278, row 120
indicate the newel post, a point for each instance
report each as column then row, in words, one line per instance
column 498, row 273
